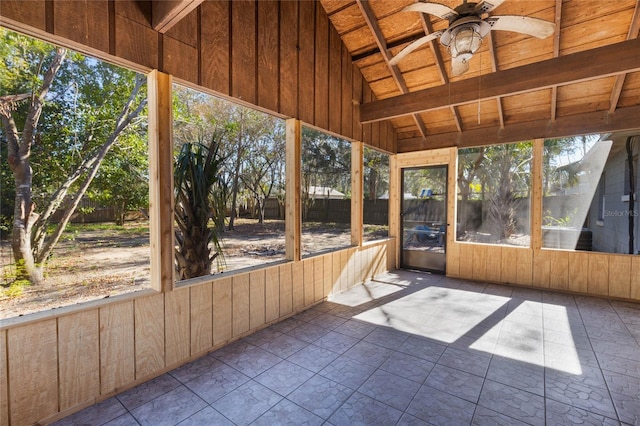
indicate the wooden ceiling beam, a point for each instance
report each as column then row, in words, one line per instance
column 586, row 65
column 428, row 29
column 166, row 13
column 634, row 29
column 579, row 124
column 556, row 53
column 372, row 23
column 494, row 68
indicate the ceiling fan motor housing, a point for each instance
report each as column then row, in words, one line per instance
column 464, row 36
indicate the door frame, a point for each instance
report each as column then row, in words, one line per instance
column 434, row 157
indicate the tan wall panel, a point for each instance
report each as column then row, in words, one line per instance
column 201, row 318
column 4, row 395
column 480, row 254
column 34, row 15
column 542, row 268
column 117, row 357
column 256, row 299
column 327, row 277
column 309, row 289
column 79, row 358
column 336, row 272
column 149, row 335
column 635, row 278
column 453, row 260
column 93, row 31
column 286, row 290
column 620, row 276
column 525, row 266
column 559, row 270
column 335, row 81
column 33, row 372
column 241, row 292
column 578, row 271
column 466, row 261
column 272, row 294
column 598, row 279
column 136, row 42
column 494, row 264
column 179, row 59
column 345, row 264
column 509, row 272
column 306, row 58
column 222, row 310
column 321, row 75
column 289, row 59
column 297, row 279
column 347, row 91
column 268, row 71
column 243, row 50
column 177, row 327
column 318, row 278
column 215, row 40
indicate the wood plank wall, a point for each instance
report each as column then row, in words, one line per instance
column 80, row 357
column 284, row 57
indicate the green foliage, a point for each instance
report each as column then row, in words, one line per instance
column 15, row 289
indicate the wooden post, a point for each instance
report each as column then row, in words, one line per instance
column 159, row 87
column 536, row 195
column 357, row 152
column 293, row 222
column 394, row 204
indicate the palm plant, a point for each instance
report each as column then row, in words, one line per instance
column 199, row 208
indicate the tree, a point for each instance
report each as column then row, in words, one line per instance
column 199, row 198
column 61, row 114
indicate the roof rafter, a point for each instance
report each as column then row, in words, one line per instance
column 165, row 14
column 494, row 68
column 372, row 23
column 556, row 53
column 577, row 67
column 634, row 29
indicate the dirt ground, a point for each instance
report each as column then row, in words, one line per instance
column 96, row 264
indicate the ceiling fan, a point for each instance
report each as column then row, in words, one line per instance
column 467, row 28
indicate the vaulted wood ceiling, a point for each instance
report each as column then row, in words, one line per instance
column 584, row 78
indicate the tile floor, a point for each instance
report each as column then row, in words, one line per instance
column 410, row 349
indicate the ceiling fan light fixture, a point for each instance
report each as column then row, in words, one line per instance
column 465, row 41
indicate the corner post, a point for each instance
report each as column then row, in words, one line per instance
column 293, row 164
column 357, row 216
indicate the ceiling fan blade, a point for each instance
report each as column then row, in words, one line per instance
column 523, row 25
column 413, row 46
column 487, row 6
column 459, row 66
column 435, row 9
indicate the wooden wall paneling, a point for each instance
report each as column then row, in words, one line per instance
column 336, row 272
column 393, row 138
column 135, row 11
column 222, row 310
column 466, row 261
column 177, row 328
column 160, row 134
column 578, row 271
column 288, row 61
column 241, row 307
column 598, row 279
column 327, row 276
column 214, row 40
column 186, row 29
column 347, row 94
column 308, row 279
column 117, row 356
column 509, row 269
column 620, row 276
column 257, row 299
column 136, row 42
column 494, row 264
column 524, row 264
column 272, row 293
column 169, row 14
column 318, row 278
column 293, row 222
column 335, row 80
column 297, row 279
column 480, row 254
column 356, row 99
column 92, row 31
column 34, row 15
column 542, row 268
column 345, row 265
column 286, row 289
column 243, row 50
column 268, row 54
column 179, row 59
column 33, row 372
column 351, row 253
column 559, row 270
column 306, row 61
column 635, row 278
column 79, row 358
column 392, row 255
column 453, row 260
column 376, row 140
column 4, row 394
column 321, row 74
column 201, row 317
column 149, row 335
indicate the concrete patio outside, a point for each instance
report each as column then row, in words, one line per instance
column 410, row 348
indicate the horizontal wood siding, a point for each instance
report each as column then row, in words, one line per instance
column 281, row 56
column 63, row 363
